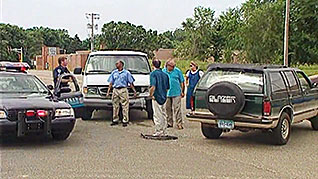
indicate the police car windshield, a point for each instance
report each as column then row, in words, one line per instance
column 21, row 84
column 105, row 64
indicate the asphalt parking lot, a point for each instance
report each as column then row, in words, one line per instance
column 97, row 150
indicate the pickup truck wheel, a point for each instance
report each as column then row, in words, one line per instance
column 87, row 114
column 282, row 132
column 149, row 109
column 210, row 132
column 314, row 123
column 60, row 136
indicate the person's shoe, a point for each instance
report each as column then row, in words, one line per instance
column 169, row 126
column 125, row 124
column 159, row 134
column 180, row 127
column 114, row 124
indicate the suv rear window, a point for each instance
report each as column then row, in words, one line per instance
column 248, row 82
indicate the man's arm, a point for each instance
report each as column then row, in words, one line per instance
column 133, row 88
column 152, row 91
column 109, row 88
column 182, row 89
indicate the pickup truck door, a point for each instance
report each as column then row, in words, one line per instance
column 310, row 98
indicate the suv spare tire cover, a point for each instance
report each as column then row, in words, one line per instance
column 225, row 99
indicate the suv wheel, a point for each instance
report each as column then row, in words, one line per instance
column 87, row 114
column 282, row 131
column 314, row 123
column 210, row 132
column 60, row 136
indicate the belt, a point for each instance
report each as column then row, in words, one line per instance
column 120, row 87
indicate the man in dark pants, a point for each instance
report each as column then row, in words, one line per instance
column 119, row 80
column 60, row 70
column 159, row 82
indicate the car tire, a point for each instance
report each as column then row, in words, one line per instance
column 314, row 123
column 210, row 132
column 281, row 133
column 60, row 136
column 87, row 114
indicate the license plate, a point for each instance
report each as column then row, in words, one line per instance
column 225, row 124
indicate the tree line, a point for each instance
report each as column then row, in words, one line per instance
column 253, row 31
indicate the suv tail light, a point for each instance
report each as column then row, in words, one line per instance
column 267, row 108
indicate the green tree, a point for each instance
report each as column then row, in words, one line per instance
column 200, row 36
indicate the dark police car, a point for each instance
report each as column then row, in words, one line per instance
column 27, row 106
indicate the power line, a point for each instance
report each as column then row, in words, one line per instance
column 92, row 26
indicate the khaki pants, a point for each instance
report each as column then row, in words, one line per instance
column 159, row 117
column 173, row 107
column 120, row 96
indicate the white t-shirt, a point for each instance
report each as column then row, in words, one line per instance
column 201, row 73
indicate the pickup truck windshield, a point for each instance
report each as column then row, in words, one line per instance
column 104, row 64
column 249, row 82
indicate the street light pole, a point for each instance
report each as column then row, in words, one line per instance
column 286, row 33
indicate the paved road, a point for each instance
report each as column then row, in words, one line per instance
column 96, row 150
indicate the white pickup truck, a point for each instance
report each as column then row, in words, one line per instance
column 98, row 68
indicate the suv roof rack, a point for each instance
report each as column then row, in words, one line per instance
column 253, row 67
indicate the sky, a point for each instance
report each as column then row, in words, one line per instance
column 161, row 15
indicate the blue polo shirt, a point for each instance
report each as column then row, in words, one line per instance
column 121, row 79
column 175, row 79
column 160, row 81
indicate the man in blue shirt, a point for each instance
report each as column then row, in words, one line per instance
column 175, row 93
column 159, row 82
column 120, row 79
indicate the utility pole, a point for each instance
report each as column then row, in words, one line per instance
column 91, row 26
column 286, row 33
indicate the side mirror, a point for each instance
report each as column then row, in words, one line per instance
column 78, row 71
column 50, row 87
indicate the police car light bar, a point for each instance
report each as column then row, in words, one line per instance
column 14, row 66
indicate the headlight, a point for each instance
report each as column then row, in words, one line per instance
column 64, row 112
column 3, row 115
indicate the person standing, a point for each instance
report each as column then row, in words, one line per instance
column 120, row 79
column 192, row 78
column 60, row 70
column 159, row 82
column 175, row 93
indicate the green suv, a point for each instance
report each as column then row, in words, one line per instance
column 247, row 97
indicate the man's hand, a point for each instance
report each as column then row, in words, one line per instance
column 182, row 95
column 135, row 94
column 107, row 94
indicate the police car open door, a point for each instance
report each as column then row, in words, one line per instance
column 67, row 89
